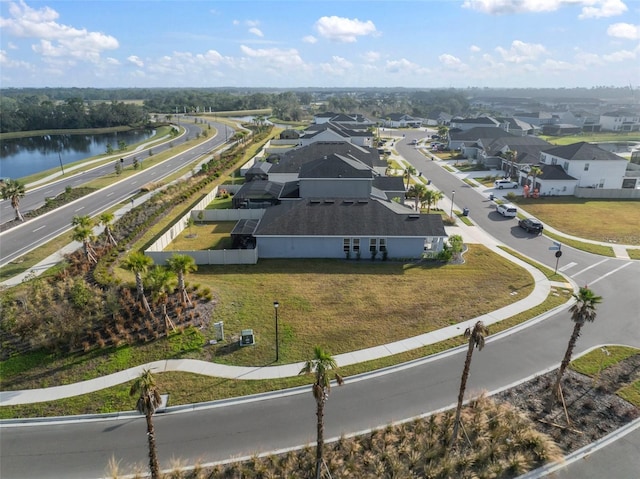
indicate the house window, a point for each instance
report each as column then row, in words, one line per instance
column 554, row 161
column 346, row 245
column 601, row 184
column 586, row 167
column 428, row 244
column 566, row 166
column 372, row 245
column 356, row 245
column 383, row 244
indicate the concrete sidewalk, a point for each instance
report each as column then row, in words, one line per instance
column 470, row 234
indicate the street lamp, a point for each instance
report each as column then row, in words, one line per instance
column 275, row 306
column 453, row 195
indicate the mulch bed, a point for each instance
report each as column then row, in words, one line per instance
column 593, row 408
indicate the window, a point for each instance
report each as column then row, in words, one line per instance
column 372, row 245
column 383, row 244
column 356, row 244
column 601, row 184
column 428, row 244
column 346, row 245
column 554, row 161
column 586, row 167
column 566, row 166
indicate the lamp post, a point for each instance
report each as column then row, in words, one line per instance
column 275, row 306
column 453, row 195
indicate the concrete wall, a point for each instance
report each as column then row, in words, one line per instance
column 227, row 256
column 620, row 194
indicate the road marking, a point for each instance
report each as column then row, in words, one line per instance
column 567, row 266
column 133, row 182
column 109, row 194
column 38, row 229
column 610, row 273
column 589, row 267
column 81, row 208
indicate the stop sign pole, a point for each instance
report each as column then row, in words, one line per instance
column 556, row 247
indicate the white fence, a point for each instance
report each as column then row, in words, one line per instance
column 602, row 193
column 241, row 256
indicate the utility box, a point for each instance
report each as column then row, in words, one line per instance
column 218, row 328
column 247, row 338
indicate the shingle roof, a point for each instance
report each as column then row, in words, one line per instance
column 479, row 132
column 335, row 166
column 260, row 189
column 345, row 217
column 554, row 172
column 292, row 160
column 582, row 151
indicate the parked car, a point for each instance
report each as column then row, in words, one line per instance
column 531, row 225
column 500, row 184
column 507, row 209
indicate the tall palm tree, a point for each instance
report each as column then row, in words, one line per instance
column 139, row 264
column 431, row 198
column 13, row 190
column 148, row 401
column 408, row 171
column 161, row 281
column 582, row 311
column 321, row 365
column 476, row 338
column 84, row 234
column 511, row 156
column 417, row 192
column 534, row 172
column 182, row 264
column 106, row 219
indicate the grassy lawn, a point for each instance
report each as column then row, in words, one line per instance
column 594, row 362
column 591, row 138
column 617, row 220
column 202, row 236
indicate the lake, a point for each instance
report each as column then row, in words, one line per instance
column 21, row 157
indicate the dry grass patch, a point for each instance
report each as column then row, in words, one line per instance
column 203, row 236
column 618, row 220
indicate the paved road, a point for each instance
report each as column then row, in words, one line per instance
column 21, row 239
column 82, row 450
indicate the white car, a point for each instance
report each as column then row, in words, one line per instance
column 500, row 184
column 507, row 209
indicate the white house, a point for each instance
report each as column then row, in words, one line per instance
column 620, row 121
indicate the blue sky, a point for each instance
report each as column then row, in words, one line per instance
column 308, row 43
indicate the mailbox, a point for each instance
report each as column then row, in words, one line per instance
column 247, row 338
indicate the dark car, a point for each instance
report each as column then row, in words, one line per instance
column 531, row 225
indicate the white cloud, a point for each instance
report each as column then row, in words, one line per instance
column 7, row 62
column 619, row 56
column 135, row 60
column 310, row 39
column 344, row 30
column 338, row 66
column 252, row 23
column 588, row 59
column 256, row 31
column 55, row 40
column 521, row 52
column 275, row 56
column 450, row 61
column 403, row 66
column 475, row 48
column 557, row 66
column 590, row 8
column 371, row 57
column 624, row 30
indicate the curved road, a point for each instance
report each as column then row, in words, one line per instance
column 25, row 237
column 230, row 429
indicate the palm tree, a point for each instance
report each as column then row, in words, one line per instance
column 321, row 364
column 511, row 156
column 106, row 219
column 582, row 311
column 534, row 172
column 431, row 197
column 148, row 401
column 13, row 190
column 476, row 339
column 409, row 170
column 161, row 281
column 418, row 192
column 83, row 232
column 138, row 263
column 182, row 264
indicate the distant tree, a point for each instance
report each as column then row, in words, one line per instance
column 149, row 400
column 118, row 168
column 417, row 192
column 408, row 172
column 122, row 145
column 109, row 149
column 14, row 191
column 476, row 336
column 106, row 219
column 431, row 198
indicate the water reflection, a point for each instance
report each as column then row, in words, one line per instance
column 25, row 156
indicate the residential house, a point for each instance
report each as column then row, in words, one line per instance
column 466, row 124
column 579, row 165
column 335, row 132
column 620, row 120
column 401, row 120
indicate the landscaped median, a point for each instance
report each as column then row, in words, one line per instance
column 368, row 304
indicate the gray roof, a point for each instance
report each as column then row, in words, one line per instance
column 553, row 172
column 335, row 166
column 527, row 147
column 292, row 160
column 389, row 183
column 582, row 151
column 479, row 132
column 344, row 217
column 260, row 189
